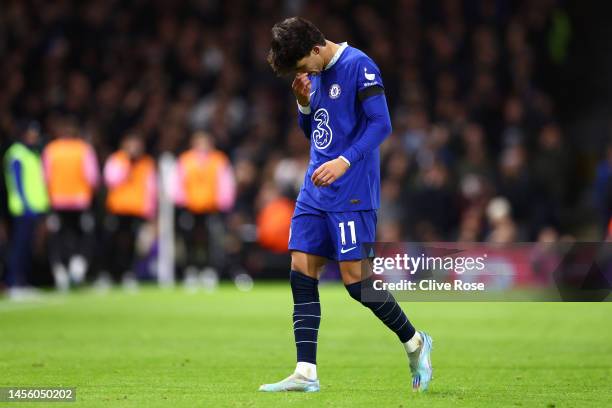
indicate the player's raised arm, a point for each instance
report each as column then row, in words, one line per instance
column 301, row 90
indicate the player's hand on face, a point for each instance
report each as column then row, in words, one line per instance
column 329, row 172
column 301, row 89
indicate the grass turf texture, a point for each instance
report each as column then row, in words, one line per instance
column 169, row 348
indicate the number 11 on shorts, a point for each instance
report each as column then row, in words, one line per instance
column 351, row 225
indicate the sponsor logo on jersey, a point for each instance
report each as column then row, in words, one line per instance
column 369, row 77
column 322, row 134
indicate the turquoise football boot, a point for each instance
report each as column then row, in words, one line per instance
column 422, row 372
column 295, row 382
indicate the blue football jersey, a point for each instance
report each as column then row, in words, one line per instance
column 337, row 120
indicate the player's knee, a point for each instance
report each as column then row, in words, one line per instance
column 300, row 262
column 297, row 265
column 351, row 277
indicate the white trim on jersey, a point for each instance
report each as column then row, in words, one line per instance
column 336, row 56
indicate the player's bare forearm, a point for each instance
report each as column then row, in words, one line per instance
column 329, row 172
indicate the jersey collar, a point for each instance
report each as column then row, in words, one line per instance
column 336, row 56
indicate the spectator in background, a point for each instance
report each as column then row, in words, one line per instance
column 550, row 173
column 204, row 187
column 432, row 203
column 502, row 226
column 476, row 159
column 274, row 219
column 71, row 172
column 27, row 200
column 4, row 220
column 130, row 178
column 603, row 191
column 514, row 131
column 515, row 183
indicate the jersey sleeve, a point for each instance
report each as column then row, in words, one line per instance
column 369, row 80
column 304, row 120
column 371, row 94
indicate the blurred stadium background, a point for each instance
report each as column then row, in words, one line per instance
column 501, row 131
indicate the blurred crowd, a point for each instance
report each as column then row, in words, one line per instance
column 477, row 152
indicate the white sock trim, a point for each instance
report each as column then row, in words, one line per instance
column 307, row 370
column 414, row 343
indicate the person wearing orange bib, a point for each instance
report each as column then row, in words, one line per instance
column 204, row 189
column 130, row 178
column 72, row 174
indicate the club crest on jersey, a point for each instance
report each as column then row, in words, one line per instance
column 322, row 135
column 334, row 91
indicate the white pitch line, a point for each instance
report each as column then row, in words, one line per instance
column 12, row 306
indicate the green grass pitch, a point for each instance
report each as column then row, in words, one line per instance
column 168, row 348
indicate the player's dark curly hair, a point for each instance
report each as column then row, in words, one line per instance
column 292, row 40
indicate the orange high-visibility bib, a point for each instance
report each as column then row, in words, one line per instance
column 67, row 180
column 131, row 197
column 201, row 179
column 273, row 224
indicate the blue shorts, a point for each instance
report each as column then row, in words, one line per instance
column 334, row 235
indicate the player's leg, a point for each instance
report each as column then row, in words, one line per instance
column 58, row 253
column 77, row 263
column 384, row 306
column 305, row 272
column 309, row 244
column 380, row 302
column 352, row 230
